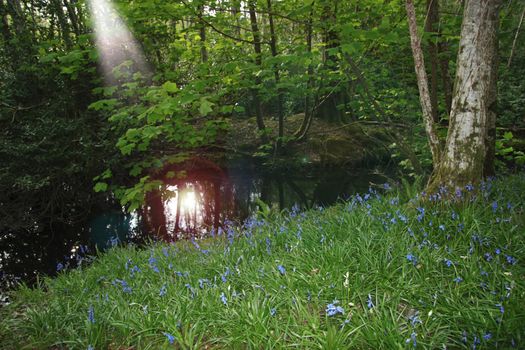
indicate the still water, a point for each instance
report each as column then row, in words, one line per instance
column 182, row 208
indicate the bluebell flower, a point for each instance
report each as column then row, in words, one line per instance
column 90, row 347
column 501, row 308
column 334, row 309
column 441, row 227
column 91, row 314
column 469, row 187
column 163, row 290
column 369, row 302
column 412, row 258
column 412, row 338
column 448, row 262
column 510, row 260
column 268, row 246
column 497, row 251
column 458, row 279
column 464, row 338
column 487, row 336
column 202, row 282
column 273, row 311
column 494, row 206
column 224, row 300
column 488, row 257
column 386, row 186
column 60, row 267
column 414, row 319
column 281, row 269
column 171, row 338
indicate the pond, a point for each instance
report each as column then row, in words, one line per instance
column 194, row 206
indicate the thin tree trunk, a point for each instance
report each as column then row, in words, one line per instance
column 202, row 35
column 308, row 112
column 64, row 26
column 273, row 47
column 73, row 18
column 422, row 82
column 6, row 33
column 465, row 156
column 430, row 27
column 258, row 61
column 516, row 38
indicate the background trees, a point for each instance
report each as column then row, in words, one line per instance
column 215, row 64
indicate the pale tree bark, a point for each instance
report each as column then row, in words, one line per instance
column 422, row 83
column 472, row 117
column 516, row 38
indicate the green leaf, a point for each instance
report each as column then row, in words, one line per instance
column 508, row 136
column 170, row 87
column 100, row 187
column 205, row 107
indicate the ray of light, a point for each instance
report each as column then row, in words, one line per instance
column 115, row 42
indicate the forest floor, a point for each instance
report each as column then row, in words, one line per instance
column 384, row 270
column 327, row 144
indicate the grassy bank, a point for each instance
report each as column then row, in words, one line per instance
column 377, row 272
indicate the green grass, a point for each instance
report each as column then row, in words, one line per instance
column 353, row 252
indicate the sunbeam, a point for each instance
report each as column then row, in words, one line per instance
column 114, row 41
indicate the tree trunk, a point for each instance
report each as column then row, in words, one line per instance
column 64, row 26
column 202, row 35
column 258, row 61
column 516, row 38
column 466, row 150
column 328, row 109
column 273, row 47
column 308, row 110
column 430, row 27
column 422, row 82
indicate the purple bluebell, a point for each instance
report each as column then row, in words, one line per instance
column 412, row 339
column 448, row 262
column 369, row 302
column 281, row 269
column 510, row 259
column 268, row 246
column 163, row 290
column 334, row 309
column 458, row 279
column 91, row 314
column 501, row 308
column 171, row 338
column 224, row 300
column 494, row 206
column 60, row 267
column 273, row 311
column 412, row 258
column 487, row 336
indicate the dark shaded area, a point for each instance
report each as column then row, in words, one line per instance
column 216, row 194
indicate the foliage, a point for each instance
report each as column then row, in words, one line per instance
column 436, row 275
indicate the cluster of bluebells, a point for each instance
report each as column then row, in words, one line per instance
column 333, row 309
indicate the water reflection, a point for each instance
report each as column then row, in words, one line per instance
column 194, row 206
column 198, row 204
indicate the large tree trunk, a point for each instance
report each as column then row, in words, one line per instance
column 422, row 83
column 466, row 149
